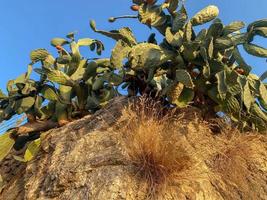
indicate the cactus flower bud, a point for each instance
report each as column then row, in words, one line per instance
column 112, row 19
column 58, row 47
column 135, row 7
column 240, row 71
column 149, row 22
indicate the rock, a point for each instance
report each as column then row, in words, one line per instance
column 86, row 160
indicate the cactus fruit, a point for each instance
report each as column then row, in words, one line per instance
column 58, row 47
column 240, row 71
column 135, row 7
column 206, row 15
column 150, row 2
column 112, row 19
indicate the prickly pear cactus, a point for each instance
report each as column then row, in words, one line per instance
column 206, row 15
column 186, row 68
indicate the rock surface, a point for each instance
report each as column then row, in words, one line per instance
column 85, row 160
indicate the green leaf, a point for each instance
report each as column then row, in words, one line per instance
column 39, row 55
column 103, row 62
column 91, row 43
column 261, row 31
column 215, row 30
column 48, row 110
column 173, row 5
column 49, row 61
column 93, row 25
column 71, row 35
column 85, row 42
column 107, row 94
column 6, row 144
column 201, row 35
column 152, row 39
column 214, row 94
column 185, row 98
column 184, row 77
column 2, row 95
column 49, row 92
column 28, row 88
column 76, row 56
column 188, row 32
column 179, row 20
column 58, row 76
column 124, row 34
column 233, row 27
column 263, row 93
column 223, row 43
column 174, row 90
column 18, row 158
column 263, row 103
column 99, row 48
column 64, row 59
column 256, row 24
column 32, row 150
column 242, row 64
column 24, row 104
column 255, row 50
column 206, row 15
column 210, row 48
column 175, row 40
column 247, row 97
column 263, row 76
column 138, row 2
column 90, row 70
column 58, row 42
column 119, row 53
column 29, row 72
column 206, row 71
column 239, row 39
column 127, row 36
column 256, row 110
column 92, row 103
column 222, row 87
column 152, row 15
column 98, row 83
column 80, row 70
column 204, row 55
column 231, row 105
column 147, row 56
column 190, row 51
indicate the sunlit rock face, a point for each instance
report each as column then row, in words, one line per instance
column 86, row 160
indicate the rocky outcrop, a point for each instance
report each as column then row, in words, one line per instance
column 86, row 160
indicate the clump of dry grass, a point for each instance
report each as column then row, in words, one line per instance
column 179, row 154
column 153, row 145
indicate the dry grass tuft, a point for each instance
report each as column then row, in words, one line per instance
column 176, row 154
column 152, row 146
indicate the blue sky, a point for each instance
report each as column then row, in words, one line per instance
column 30, row 24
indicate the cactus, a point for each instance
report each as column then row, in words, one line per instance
column 206, row 15
column 186, row 68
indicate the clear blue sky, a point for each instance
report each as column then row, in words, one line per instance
column 29, row 24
